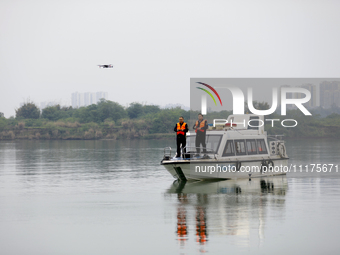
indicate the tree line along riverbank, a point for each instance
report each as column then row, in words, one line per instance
column 109, row 120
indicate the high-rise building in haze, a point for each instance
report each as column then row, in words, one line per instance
column 100, row 95
column 93, row 97
column 329, row 94
column 290, row 95
column 312, row 89
column 75, row 99
column 88, row 98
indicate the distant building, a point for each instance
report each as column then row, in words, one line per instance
column 87, row 98
column 75, row 100
column 289, row 95
column 100, row 95
column 329, row 94
column 93, row 98
column 312, row 89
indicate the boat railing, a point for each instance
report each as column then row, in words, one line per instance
column 167, row 153
column 275, row 137
column 191, row 152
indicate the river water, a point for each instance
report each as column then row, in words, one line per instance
column 114, row 197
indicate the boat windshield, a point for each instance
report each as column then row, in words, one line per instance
column 212, row 142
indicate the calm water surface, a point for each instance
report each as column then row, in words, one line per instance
column 114, row 197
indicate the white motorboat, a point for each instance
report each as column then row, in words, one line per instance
column 239, row 148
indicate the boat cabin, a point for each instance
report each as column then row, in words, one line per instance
column 237, row 136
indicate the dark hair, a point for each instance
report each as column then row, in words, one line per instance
column 181, row 117
column 200, row 114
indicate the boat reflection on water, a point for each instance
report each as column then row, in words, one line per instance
column 201, row 230
column 276, row 185
column 227, row 208
column 182, row 219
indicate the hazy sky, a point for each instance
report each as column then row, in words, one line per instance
column 49, row 49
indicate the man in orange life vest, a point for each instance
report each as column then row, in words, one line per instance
column 200, row 127
column 181, row 129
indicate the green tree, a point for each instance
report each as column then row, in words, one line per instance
column 150, row 109
column 88, row 114
column 257, row 106
column 135, row 110
column 165, row 120
column 56, row 112
column 3, row 123
column 2, row 115
column 108, row 109
column 28, row 111
column 51, row 112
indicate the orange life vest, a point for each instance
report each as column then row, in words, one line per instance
column 179, row 131
column 202, row 125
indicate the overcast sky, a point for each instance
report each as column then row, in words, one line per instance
column 49, row 49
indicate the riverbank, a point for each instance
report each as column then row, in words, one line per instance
column 121, row 133
column 116, row 133
column 78, row 125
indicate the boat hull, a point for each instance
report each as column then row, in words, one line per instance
column 215, row 169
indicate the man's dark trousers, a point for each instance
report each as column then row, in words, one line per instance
column 181, row 139
column 200, row 139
